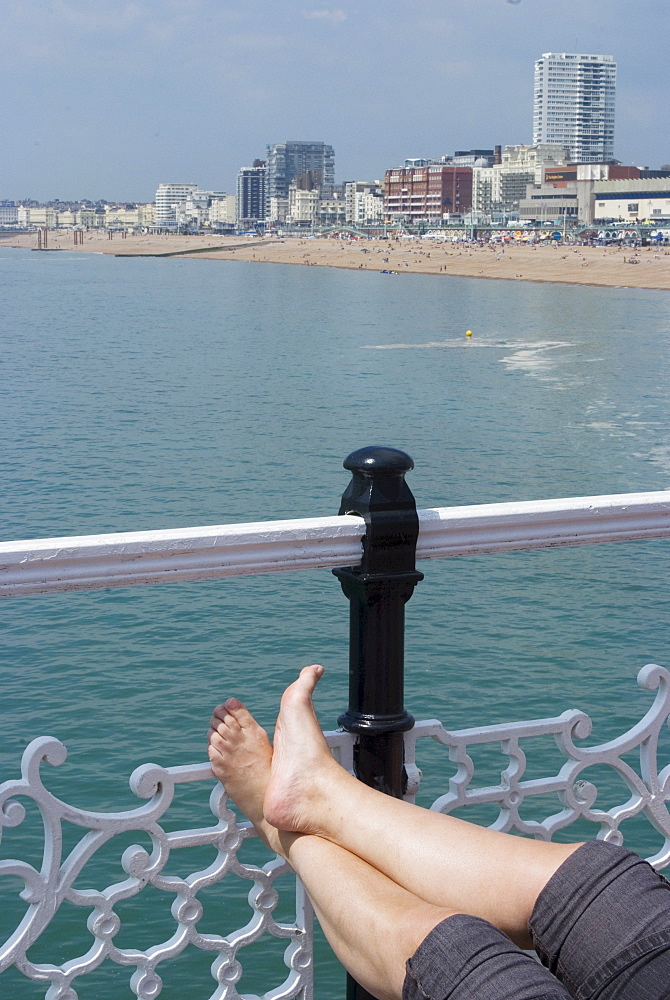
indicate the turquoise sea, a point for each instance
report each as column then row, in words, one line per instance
column 140, row 394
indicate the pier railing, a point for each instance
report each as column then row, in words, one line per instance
column 177, row 555
column 372, row 546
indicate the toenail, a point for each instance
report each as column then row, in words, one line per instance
column 233, row 703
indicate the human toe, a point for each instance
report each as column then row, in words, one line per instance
column 310, row 676
column 236, row 710
column 224, row 722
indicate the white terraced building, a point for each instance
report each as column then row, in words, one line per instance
column 574, row 104
column 168, row 196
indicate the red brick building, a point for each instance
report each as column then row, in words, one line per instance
column 427, row 194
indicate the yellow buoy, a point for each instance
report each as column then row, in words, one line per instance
column 468, row 333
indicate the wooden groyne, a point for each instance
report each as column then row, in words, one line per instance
column 201, row 250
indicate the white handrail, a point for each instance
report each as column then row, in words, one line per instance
column 92, row 562
column 542, row 524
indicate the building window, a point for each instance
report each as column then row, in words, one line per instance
column 633, row 206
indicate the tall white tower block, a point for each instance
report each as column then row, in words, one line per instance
column 574, row 104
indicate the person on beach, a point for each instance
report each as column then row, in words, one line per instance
column 423, row 906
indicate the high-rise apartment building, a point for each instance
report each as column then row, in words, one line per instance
column 287, row 161
column 168, row 196
column 574, row 104
column 251, row 194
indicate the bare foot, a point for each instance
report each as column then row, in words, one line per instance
column 303, row 770
column 240, row 754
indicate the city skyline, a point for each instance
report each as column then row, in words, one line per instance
column 105, row 102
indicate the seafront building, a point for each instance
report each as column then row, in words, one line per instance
column 364, row 202
column 303, row 205
column 9, row 213
column 73, row 216
column 573, row 104
column 252, row 203
column 461, row 158
column 223, row 211
column 633, row 200
column 501, row 187
column 427, row 194
column 277, row 212
column 594, row 192
column 201, row 208
column 567, row 193
column 56, row 216
column 122, row 216
column 332, row 211
column 473, row 157
column 289, row 160
column 168, row 196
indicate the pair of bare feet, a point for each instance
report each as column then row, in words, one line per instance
column 381, row 873
column 277, row 788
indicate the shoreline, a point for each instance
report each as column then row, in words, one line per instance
column 608, row 267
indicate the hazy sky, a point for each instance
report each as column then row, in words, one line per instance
column 106, row 98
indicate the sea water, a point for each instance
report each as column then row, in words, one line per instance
column 143, row 393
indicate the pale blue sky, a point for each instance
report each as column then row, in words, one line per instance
column 106, row 98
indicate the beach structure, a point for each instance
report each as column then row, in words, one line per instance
column 573, row 104
column 372, row 546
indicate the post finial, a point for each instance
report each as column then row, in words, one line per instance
column 377, row 482
column 378, row 458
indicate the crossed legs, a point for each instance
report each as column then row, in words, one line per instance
column 381, row 873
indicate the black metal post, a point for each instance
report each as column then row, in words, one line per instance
column 378, row 591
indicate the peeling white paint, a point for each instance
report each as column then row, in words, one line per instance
column 91, row 562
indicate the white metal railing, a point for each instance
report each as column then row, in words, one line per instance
column 114, row 560
column 562, row 798
column 91, row 562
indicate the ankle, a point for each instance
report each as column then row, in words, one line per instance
column 279, row 841
column 290, row 846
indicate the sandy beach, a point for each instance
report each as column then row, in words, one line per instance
column 646, row 267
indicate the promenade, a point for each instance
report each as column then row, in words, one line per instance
column 646, row 267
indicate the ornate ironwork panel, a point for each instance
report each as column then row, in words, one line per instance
column 47, row 888
column 633, row 757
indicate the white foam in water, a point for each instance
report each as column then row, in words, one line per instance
column 534, row 358
column 466, row 344
column 601, row 425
